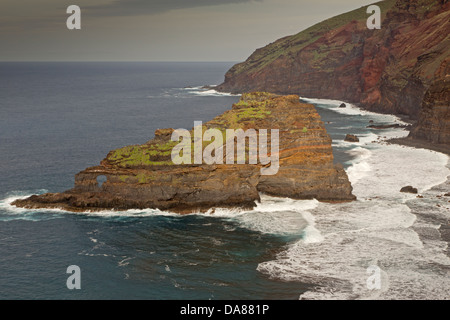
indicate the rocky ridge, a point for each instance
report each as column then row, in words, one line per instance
column 144, row 176
column 400, row 69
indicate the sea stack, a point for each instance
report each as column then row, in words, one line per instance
column 144, row 176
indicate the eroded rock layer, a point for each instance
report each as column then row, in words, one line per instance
column 391, row 70
column 434, row 119
column 144, row 176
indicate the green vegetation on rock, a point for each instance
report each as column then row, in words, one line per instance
column 291, row 45
column 141, row 155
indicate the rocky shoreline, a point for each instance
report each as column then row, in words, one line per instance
column 443, row 232
column 421, row 144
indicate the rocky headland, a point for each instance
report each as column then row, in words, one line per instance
column 144, row 176
column 402, row 68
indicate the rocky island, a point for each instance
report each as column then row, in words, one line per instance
column 144, row 176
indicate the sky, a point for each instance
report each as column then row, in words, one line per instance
column 155, row 30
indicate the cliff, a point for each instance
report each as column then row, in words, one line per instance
column 392, row 70
column 144, row 176
column 434, row 118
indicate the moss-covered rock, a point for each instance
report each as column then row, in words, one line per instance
column 144, row 176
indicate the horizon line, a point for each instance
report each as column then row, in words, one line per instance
column 174, row 61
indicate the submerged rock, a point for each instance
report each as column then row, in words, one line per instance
column 144, row 176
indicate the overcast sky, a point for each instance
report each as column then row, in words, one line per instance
column 155, row 30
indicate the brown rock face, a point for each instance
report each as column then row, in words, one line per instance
column 144, row 176
column 388, row 70
column 351, row 138
column 434, row 120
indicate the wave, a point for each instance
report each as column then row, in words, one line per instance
column 201, row 91
column 360, row 167
column 379, row 230
column 190, row 92
column 353, row 110
column 11, row 212
column 278, row 216
column 337, row 244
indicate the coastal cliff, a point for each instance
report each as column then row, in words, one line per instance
column 434, row 118
column 144, row 176
column 399, row 69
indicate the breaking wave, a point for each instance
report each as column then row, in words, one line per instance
column 276, row 216
column 334, row 245
column 379, row 229
column 208, row 92
column 351, row 109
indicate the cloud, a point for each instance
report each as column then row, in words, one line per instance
column 149, row 7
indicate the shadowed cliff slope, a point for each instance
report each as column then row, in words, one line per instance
column 399, row 69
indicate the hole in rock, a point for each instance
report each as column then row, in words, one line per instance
column 101, row 180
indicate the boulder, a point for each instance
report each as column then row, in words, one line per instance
column 409, row 189
column 351, row 138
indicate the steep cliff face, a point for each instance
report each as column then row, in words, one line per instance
column 144, row 176
column 387, row 70
column 434, row 119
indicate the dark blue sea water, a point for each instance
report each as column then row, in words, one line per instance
column 56, row 119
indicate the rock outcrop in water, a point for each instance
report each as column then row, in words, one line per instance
column 351, row 138
column 144, row 176
column 400, row 69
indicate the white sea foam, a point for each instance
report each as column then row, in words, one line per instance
column 378, row 229
column 280, row 216
column 272, row 215
column 351, row 109
column 190, row 92
column 23, row 213
column 360, row 167
column 16, row 213
column 209, row 92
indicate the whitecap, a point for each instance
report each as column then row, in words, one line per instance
column 379, row 229
column 353, row 110
column 201, row 91
column 278, row 216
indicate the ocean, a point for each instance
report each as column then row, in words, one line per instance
column 57, row 119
